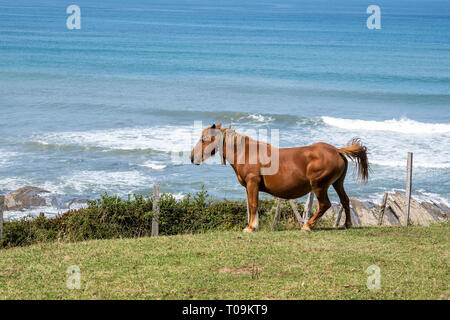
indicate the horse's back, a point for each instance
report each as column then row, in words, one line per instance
column 306, row 154
column 319, row 160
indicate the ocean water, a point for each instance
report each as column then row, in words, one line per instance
column 103, row 108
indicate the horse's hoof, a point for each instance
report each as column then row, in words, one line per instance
column 247, row 229
column 306, row 228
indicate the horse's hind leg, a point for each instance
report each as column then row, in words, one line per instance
column 339, row 187
column 324, row 204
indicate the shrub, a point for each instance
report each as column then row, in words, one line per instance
column 30, row 230
column 113, row 217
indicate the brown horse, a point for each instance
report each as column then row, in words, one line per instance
column 298, row 171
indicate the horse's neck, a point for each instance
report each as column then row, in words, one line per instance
column 241, row 146
column 232, row 141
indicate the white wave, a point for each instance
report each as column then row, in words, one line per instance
column 421, row 196
column 260, row 118
column 77, row 205
column 80, row 183
column 178, row 196
column 153, row 165
column 13, row 183
column 160, row 138
column 103, row 181
column 394, row 163
column 48, row 211
column 403, row 125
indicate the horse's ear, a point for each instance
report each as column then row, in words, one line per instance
column 219, row 125
column 213, row 126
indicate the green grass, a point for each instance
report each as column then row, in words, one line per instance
column 323, row 264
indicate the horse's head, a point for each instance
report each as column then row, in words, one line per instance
column 208, row 144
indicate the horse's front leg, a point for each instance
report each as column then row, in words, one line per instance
column 252, row 201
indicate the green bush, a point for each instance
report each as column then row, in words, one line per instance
column 31, row 230
column 113, row 217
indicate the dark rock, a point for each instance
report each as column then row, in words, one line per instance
column 24, row 198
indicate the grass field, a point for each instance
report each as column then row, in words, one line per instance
column 323, row 264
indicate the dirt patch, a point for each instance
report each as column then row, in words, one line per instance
column 236, row 270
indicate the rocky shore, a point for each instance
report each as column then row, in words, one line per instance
column 367, row 213
column 24, row 198
column 29, row 198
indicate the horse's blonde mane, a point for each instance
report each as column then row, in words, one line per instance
column 234, row 138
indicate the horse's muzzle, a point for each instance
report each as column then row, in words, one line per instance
column 194, row 161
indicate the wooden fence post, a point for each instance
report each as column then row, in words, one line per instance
column 296, row 213
column 301, row 220
column 155, row 223
column 338, row 218
column 308, row 206
column 277, row 214
column 382, row 209
column 408, row 186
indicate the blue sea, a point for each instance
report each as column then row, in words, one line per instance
column 104, row 108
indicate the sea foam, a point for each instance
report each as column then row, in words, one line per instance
column 159, row 138
column 403, row 125
column 153, row 165
column 397, row 163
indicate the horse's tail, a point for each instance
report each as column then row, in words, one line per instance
column 357, row 152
